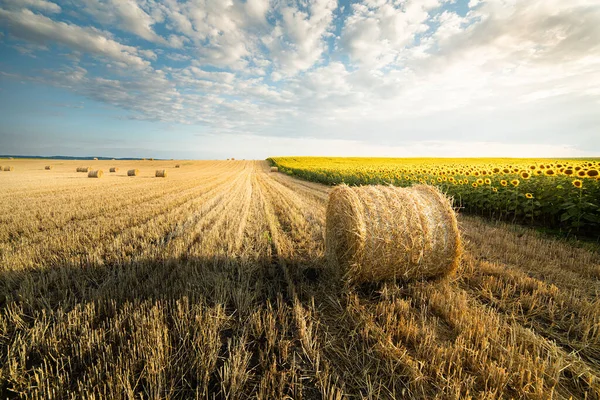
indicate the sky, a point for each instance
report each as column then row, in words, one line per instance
column 258, row 78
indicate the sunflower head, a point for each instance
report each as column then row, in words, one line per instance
column 529, row 195
column 515, row 182
column 568, row 172
column 474, row 184
column 488, row 181
column 532, row 167
column 495, row 190
column 496, row 170
column 525, row 175
column 592, row 172
column 577, row 183
column 503, row 182
column 550, row 172
column 480, row 181
column 506, row 171
column 581, row 173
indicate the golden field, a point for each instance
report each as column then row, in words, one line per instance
column 213, row 283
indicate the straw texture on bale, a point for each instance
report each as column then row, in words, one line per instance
column 83, row 169
column 274, row 169
column 8, row 169
column 133, row 172
column 161, row 173
column 48, row 167
column 376, row 233
column 95, row 174
column 114, row 169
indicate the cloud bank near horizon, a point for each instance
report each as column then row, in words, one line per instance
column 371, row 77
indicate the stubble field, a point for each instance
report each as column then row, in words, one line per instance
column 212, row 283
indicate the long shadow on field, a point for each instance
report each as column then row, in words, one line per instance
column 71, row 320
column 213, row 280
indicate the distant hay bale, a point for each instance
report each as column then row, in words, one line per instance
column 151, row 159
column 84, row 169
column 274, row 169
column 133, row 172
column 95, row 158
column 95, row 174
column 161, row 173
column 233, row 159
column 177, row 166
column 377, row 233
column 8, row 169
column 48, row 167
column 114, row 169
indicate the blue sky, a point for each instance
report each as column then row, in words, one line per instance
column 254, row 78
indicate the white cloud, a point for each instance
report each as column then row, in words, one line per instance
column 41, row 5
column 39, row 29
column 297, row 42
column 399, row 72
column 127, row 14
column 377, row 32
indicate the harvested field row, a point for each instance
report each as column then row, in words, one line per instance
column 220, row 289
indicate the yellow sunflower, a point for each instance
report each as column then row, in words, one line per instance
column 525, row 175
column 515, row 182
column 592, row 172
column 578, row 184
column 503, row 182
column 474, row 184
column 529, row 195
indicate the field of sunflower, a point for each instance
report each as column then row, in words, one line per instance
column 557, row 194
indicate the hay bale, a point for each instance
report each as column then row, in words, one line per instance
column 133, row 172
column 95, row 174
column 84, row 169
column 95, row 158
column 114, row 169
column 177, row 166
column 8, row 169
column 161, row 173
column 377, row 233
column 48, row 167
column 274, row 169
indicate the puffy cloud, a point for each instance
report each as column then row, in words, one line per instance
column 128, row 15
column 297, row 42
column 395, row 70
column 41, row 5
column 377, row 31
column 39, row 29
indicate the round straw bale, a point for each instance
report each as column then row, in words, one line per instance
column 95, row 174
column 48, row 167
column 274, row 169
column 133, row 172
column 8, row 169
column 161, row 173
column 95, row 158
column 84, row 169
column 177, row 166
column 114, row 169
column 377, row 233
